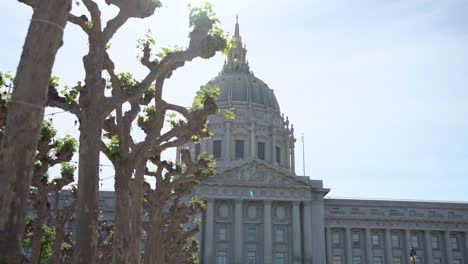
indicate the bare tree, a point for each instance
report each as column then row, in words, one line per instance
column 26, row 111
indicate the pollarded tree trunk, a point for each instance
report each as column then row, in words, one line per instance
column 59, row 238
column 122, row 219
column 137, row 193
column 25, row 115
column 88, row 189
column 36, row 241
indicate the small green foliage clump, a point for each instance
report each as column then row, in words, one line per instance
column 204, row 94
column 149, row 115
column 67, row 168
column 47, row 241
column 66, row 144
column 113, row 149
column 71, row 94
column 47, row 130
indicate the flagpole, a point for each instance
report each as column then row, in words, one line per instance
column 303, row 154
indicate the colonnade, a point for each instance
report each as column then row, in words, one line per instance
column 313, row 250
column 427, row 254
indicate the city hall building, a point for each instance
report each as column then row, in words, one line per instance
column 260, row 211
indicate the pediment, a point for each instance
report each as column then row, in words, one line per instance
column 254, row 173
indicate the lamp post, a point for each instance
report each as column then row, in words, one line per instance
column 412, row 256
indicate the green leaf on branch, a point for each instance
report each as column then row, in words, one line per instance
column 113, row 149
column 47, row 130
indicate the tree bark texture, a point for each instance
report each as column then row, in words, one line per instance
column 88, row 190
column 25, row 115
column 122, row 219
column 137, row 192
column 59, row 238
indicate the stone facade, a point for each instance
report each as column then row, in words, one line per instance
column 259, row 211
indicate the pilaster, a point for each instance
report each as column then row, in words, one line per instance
column 388, row 246
column 428, row 247
column 448, row 247
column 209, row 232
column 227, row 141
column 267, row 233
column 296, row 226
column 369, row 254
column 348, row 247
column 329, row 245
column 238, row 232
column 408, row 245
column 307, row 232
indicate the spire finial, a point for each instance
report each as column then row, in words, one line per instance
column 236, row 33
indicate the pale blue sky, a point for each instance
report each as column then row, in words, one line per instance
column 379, row 88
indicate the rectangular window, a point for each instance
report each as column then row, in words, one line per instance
column 435, row 241
column 415, row 241
column 197, row 150
column 280, row 258
column 375, row 240
column 396, row 260
column 239, row 149
column 395, row 241
column 356, row 238
column 222, row 233
column 336, row 238
column 337, row 260
column 457, row 261
column 252, row 234
column 217, row 149
column 252, row 257
column 278, row 155
column 279, row 235
column 454, row 242
column 261, row 150
column 437, row 261
column 357, row 260
column 377, row 260
column 221, row 258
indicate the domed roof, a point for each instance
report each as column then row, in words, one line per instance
column 237, row 83
column 244, row 88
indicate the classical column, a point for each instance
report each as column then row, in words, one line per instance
column 388, row 246
column 273, row 146
column 318, row 230
column 238, row 231
column 307, row 232
column 296, row 226
column 408, row 245
column 466, row 245
column 428, row 247
column 227, row 141
column 209, row 232
column 267, row 233
column 288, row 154
column 252, row 141
column 348, row 246
column 329, row 245
column 448, row 247
column 293, row 159
column 367, row 232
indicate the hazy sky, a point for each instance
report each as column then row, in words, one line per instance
column 379, row 88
